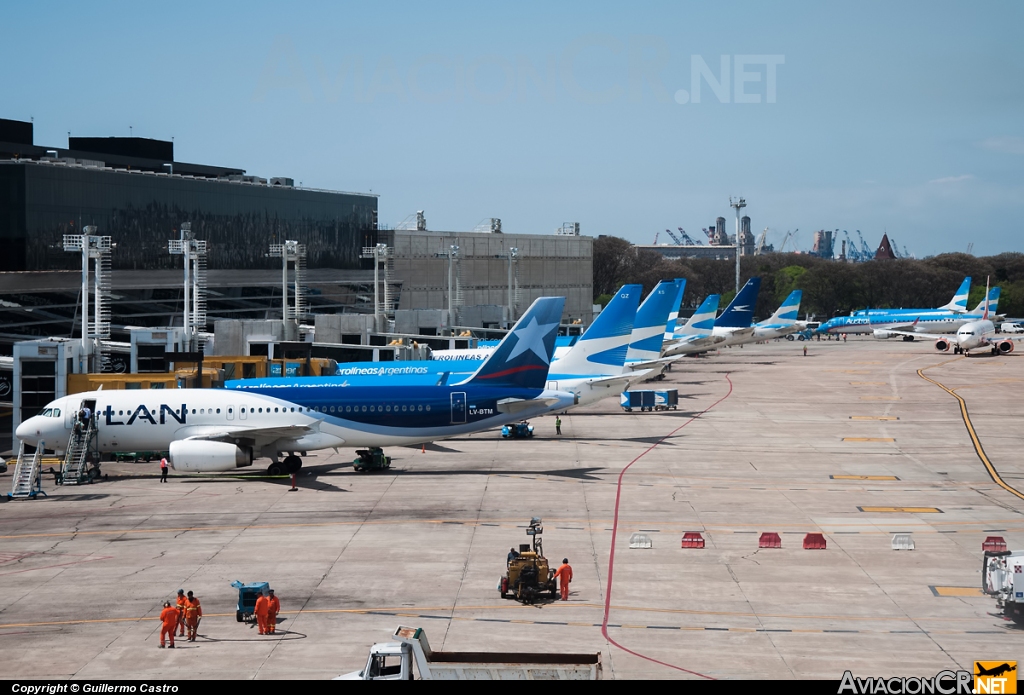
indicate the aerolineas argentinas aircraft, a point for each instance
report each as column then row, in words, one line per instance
column 221, row 429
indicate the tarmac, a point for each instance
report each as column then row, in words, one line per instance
column 849, row 441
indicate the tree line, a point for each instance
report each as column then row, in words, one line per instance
column 831, row 288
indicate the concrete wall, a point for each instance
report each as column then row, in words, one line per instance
column 549, row 265
column 330, row 327
column 231, row 336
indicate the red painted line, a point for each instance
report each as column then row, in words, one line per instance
column 615, row 531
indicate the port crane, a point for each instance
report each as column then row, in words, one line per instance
column 789, row 235
column 683, row 239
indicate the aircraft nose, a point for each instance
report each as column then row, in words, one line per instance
column 27, row 431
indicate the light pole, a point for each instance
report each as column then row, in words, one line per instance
column 513, row 256
column 739, row 205
column 452, row 255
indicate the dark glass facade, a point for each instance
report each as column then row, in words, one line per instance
column 39, row 203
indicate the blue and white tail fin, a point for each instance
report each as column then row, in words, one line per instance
column 740, row 312
column 649, row 328
column 601, row 350
column 787, row 314
column 523, row 357
column 993, row 302
column 703, row 320
column 959, row 301
column 673, row 316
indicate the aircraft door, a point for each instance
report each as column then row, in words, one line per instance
column 71, row 408
column 552, row 385
column 458, row 407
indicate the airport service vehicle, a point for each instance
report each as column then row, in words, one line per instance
column 247, row 595
column 372, row 459
column 410, row 657
column 529, row 574
column 208, row 430
column 1002, row 576
column 517, row 430
column 1008, row 327
column 667, row 399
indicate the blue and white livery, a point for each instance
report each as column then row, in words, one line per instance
column 222, row 429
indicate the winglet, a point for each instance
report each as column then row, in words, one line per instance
column 523, row 357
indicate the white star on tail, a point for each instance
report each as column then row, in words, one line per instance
column 531, row 337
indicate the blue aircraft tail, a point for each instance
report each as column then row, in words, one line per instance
column 523, row 357
column 703, row 320
column 673, row 315
column 959, row 301
column 993, row 302
column 649, row 328
column 740, row 312
column 604, row 344
column 789, row 311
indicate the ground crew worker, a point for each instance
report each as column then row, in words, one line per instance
column 805, row 351
column 163, row 470
column 512, row 555
column 168, row 621
column 193, row 612
column 275, row 608
column 558, row 425
column 564, row 576
column 181, row 612
column 261, row 610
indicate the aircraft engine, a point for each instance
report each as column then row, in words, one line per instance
column 204, row 456
column 882, row 334
column 1005, row 346
column 942, row 345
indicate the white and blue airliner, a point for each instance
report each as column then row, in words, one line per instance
column 223, row 429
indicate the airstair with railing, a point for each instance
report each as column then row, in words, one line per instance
column 26, row 479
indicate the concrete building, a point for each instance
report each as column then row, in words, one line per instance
column 540, row 265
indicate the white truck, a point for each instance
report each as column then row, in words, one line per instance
column 409, row 656
column 1009, row 327
column 1003, row 577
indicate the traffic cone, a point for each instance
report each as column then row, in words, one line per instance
column 424, row 449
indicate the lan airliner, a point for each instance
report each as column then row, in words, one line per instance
column 222, row 429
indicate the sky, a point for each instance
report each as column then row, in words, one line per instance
column 906, row 118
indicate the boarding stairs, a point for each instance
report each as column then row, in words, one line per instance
column 76, row 468
column 27, row 483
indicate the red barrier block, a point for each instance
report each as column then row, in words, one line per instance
column 693, row 539
column 814, row 541
column 994, row 544
column 769, row 539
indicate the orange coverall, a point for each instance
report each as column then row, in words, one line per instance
column 275, row 608
column 181, row 614
column 261, row 609
column 169, row 618
column 193, row 612
column 564, row 576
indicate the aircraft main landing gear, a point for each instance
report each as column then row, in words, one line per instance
column 291, row 464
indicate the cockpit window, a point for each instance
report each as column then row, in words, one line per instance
column 56, row 412
column 46, row 413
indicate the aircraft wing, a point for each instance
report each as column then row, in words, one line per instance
column 698, row 344
column 512, row 406
column 260, row 434
column 658, row 364
column 915, row 334
column 620, row 381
